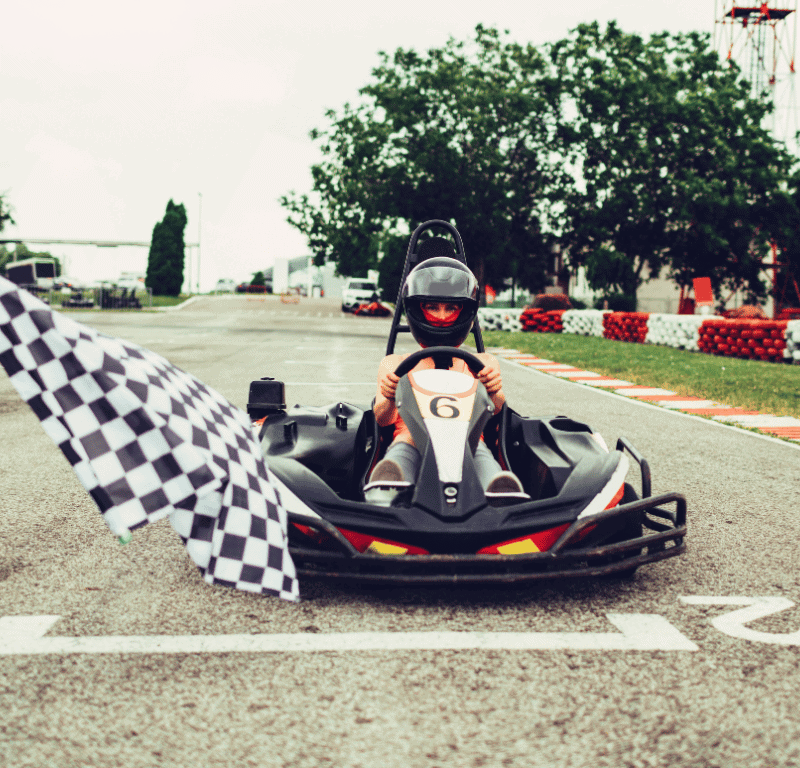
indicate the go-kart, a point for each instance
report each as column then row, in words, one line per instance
column 577, row 516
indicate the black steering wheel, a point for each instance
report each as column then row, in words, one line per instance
column 473, row 363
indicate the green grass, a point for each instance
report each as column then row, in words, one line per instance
column 56, row 298
column 753, row 384
column 165, row 301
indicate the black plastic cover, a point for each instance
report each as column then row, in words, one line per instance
column 266, row 396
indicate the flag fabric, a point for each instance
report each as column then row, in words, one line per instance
column 148, row 440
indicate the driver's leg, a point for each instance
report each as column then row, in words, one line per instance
column 492, row 477
column 401, row 463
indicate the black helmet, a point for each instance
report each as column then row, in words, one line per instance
column 446, row 280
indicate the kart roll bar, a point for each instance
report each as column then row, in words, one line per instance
column 412, row 259
column 622, row 445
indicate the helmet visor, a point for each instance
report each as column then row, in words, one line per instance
column 444, row 281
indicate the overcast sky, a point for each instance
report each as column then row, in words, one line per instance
column 107, row 111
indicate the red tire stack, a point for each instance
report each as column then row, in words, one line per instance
column 552, row 322
column 752, row 339
column 626, row 326
column 539, row 321
column 530, row 318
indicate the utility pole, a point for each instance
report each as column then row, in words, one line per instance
column 199, row 226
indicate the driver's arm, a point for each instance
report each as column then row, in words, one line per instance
column 385, row 409
column 489, row 376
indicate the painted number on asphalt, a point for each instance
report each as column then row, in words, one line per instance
column 733, row 622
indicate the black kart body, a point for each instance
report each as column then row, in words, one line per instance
column 578, row 516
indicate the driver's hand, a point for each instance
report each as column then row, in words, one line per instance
column 387, row 384
column 490, row 378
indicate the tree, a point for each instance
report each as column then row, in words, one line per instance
column 672, row 166
column 5, row 212
column 5, row 216
column 164, row 275
column 461, row 133
column 258, row 279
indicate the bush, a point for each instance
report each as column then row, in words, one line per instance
column 617, row 302
column 551, row 301
column 746, row 311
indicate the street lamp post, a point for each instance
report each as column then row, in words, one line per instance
column 199, row 225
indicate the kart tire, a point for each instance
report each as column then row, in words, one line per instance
column 344, row 308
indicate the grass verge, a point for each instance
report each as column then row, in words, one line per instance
column 167, row 301
column 753, row 384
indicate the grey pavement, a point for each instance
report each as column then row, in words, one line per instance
column 730, row 703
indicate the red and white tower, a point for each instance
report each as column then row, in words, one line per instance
column 761, row 38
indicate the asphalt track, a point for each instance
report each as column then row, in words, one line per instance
column 694, row 662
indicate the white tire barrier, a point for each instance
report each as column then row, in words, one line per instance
column 584, row 322
column 677, row 331
column 792, row 350
column 499, row 319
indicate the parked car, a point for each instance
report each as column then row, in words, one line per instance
column 225, row 285
column 358, row 291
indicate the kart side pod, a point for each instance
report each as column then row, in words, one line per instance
column 267, row 396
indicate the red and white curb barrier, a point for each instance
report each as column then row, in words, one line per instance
column 777, row 426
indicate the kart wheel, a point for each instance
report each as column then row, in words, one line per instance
column 344, row 308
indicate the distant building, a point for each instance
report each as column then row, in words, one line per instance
column 293, row 273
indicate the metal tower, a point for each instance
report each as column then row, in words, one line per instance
column 761, row 38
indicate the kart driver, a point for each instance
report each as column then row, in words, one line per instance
column 440, row 302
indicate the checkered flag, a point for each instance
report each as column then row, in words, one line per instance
column 148, row 440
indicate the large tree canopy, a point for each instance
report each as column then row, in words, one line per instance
column 461, row 133
column 632, row 154
column 165, row 261
column 672, row 165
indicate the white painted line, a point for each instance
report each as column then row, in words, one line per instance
column 647, row 392
column 531, row 360
column 24, row 636
column 576, row 374
column 756, row 608
column 762, row 420
column 611, row 383
column 690, row 405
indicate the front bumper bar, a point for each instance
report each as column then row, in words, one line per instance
column 665, row 538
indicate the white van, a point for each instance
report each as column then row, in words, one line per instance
column 225, row 285
column 357, row 291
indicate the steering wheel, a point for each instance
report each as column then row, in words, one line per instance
column 473, row 363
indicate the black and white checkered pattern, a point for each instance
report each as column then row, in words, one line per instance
column 148, row 440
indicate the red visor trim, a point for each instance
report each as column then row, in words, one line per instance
column 441, row 322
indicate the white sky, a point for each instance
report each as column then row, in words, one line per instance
column 107, row 111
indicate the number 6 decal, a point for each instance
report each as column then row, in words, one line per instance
column 453, row 411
